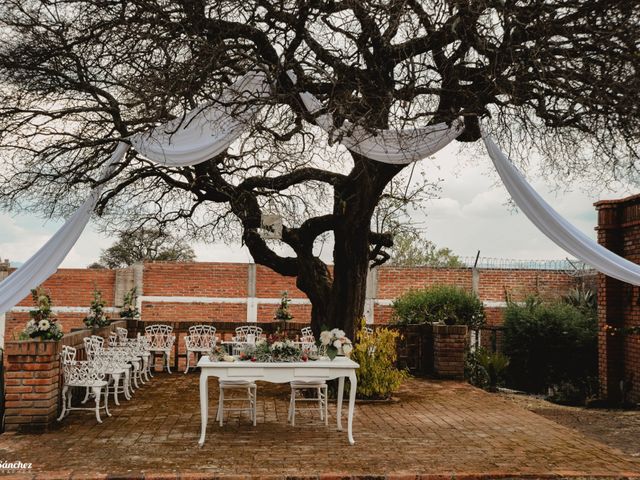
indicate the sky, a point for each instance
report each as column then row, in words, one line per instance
column 472, row 213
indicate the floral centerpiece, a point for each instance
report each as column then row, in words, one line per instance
column 219, row 354
column 43, row 323
column 97, row 317
column 273, row 349
column 335, row 342
column 129, row 309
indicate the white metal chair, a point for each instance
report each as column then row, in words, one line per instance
column 161, row 340
column 242, row 333
column 113, row 339
column 84, row 374
column 321, row 398
column 201, row 339
column 252, row 394
column 112, row 363
column 306, row 331
column 122, row 335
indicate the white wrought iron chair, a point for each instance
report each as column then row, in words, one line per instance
column 252, row 394
column 201, row 339
column 243, row 332
column 82, row 374
column 113, row 339
column 161, row 340
column 122, row 335
column 113, row 366
column 306, row 331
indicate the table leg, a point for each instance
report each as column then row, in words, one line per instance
column 339, row 404
column 204, row 406
column 353, row 386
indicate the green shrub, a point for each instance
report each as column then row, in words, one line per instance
column 549, row 344
column 376, row 353
column 486, row 369
column 441, row 303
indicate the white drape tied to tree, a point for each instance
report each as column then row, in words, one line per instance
column 208, row 131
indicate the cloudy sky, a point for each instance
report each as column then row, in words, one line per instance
column 472, row 213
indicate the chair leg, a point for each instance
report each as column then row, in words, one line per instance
column 326, row 402
column 97, row 393
column 167, row 355
column 221, row 406
column 127, row 384
column 116, row 386
column 86, row 396
column 106, row 400
column 188, row 358
column 64, row 403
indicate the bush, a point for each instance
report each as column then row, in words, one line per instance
column 486, row 369
column 549, row 344
column 376, row 353
column 441, row 303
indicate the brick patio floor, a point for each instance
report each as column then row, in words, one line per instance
column 436, row 429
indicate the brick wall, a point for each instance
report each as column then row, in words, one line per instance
column 619, row 302
column 234, row 292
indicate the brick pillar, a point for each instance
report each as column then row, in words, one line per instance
column 32, row 376
column 611, row 303
column 449, row 344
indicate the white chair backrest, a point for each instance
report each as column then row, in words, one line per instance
column 201, row 336
column 242, row 332
column 92, row 347
column 113, row 339
column 160, row 337
column 306, row 332
column 68, row 355
column 98, row 339
column 122, row 334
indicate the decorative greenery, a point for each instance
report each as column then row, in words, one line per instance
column 376, row 353
column 441, row 303
column 334, row 341
column 549, row 344
column 43, row 323
column 486, row 369
column 129, row 309
column 282, row 313
column 273, row 349
column 97, row 316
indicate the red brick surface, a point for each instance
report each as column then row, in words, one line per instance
column 618, row 305
column 435, row 429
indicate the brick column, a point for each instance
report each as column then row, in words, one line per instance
column 449, row 344
column 32, row 376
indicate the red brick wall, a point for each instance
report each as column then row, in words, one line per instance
column 618, row 302
column 74, row 287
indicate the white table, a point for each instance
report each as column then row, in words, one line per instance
column 280, row 372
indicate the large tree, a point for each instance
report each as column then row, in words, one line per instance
column 557, row 75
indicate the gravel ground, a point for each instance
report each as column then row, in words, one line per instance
column 617, row 428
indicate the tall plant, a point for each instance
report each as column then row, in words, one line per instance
column 129, row 307
column 43, row 323
column 97, row 316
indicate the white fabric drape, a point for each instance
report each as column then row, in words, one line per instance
column 387, row 146
column 45, row 261
column 554, row 226
column 207, row 131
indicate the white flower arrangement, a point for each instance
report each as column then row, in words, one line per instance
column 334, row 341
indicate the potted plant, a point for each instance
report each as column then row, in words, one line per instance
column 43, row 324
column 129, row 308
column 97, row 317
column 283, row 315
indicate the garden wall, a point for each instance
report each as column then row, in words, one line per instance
column 619, row 303
column 240, row 292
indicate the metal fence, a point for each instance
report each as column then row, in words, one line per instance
column 569, row 266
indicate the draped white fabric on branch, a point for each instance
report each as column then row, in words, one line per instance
column 387, row 146
column 45, row 261
column 554, row 226
column 205, row 131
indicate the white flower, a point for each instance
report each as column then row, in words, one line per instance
column 31, row 323
column 337, row 344
column 340, row 334
column 43, row 325
column 346, row 348
column 261, row 342
column 277, row 345
column 325, row 337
